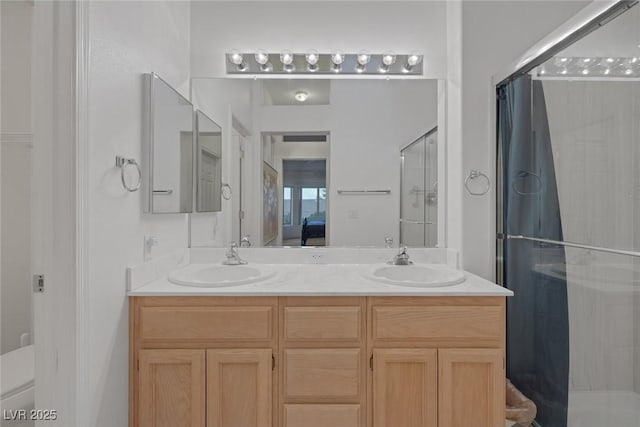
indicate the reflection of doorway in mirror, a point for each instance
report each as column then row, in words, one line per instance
column 304, row 210
column 302, row 160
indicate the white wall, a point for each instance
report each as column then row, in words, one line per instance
column 594, row 133
column 16, row 141
column 494, row 34
column 127, row 39
column 398, row 26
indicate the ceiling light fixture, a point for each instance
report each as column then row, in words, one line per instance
column 412, row 60
column 301, row 96
column 388, row 59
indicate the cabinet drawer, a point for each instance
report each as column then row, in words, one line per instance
column 321, row 416
column 207, row 323
column 323, row 323
column 320, row 375
column 461, row 325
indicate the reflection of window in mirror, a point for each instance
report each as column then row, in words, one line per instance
column 312, row 204
column 286, row 206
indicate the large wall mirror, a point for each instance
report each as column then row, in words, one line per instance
column 208, row 164
column 169, row 149
column 318, row 162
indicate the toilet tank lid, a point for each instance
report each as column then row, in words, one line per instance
column 17, row 370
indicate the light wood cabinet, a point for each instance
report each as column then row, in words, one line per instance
column 171, row 388
column 405, row 387
column 472, row 387
column 239, row 388
column 317, row 361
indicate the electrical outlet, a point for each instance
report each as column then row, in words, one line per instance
column 149, row 243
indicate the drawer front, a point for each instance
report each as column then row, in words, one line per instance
column 207, row 323
column 321, row 416
column 322, row 323
column 322, row 375
column 465, row 325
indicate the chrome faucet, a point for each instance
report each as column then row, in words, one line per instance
column 245, row 242
column 233, row 257
column 388, row 242
column 401, row 258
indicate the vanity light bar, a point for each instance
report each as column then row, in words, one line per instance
column 585, row 66
column 313, row 62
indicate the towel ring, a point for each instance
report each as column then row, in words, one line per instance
column 521, row 176
column 122, row 163
column 226, row 191
column 474, row 174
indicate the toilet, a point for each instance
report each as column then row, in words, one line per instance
column 17, row 382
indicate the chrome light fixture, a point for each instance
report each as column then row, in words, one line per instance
column 238, row 59
column 383, row 64
column 388, row 59
column 363, row 59
column 312, row 58
column 286, row 57
column 412, row 60
column 337, row 58
column 262, row 58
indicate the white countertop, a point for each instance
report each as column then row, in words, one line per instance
column 321, row 280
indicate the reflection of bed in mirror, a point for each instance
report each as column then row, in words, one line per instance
column 313, row 228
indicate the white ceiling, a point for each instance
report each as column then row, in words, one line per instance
column 281, row 92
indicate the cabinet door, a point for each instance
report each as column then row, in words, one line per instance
column 239, row 388
column 171, row 388
column 472, row 388
column 405, row 388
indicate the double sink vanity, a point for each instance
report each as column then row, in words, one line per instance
column 315, row 337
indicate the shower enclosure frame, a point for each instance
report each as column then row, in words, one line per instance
column 402, row 167
column 585, row 22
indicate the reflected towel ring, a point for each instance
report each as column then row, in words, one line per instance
column 474, row 174
column 122, row 163
column 522, row 175
column 226, row 191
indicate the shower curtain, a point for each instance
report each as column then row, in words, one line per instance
column 537, row 315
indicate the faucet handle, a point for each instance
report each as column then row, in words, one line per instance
column 388, row 242
column 233, row 244
column 245, row 242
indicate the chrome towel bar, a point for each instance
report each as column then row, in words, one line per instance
column 576, row 245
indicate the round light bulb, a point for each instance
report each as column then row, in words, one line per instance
column 364, row 58
column 337, row 58
column 312, row 57
column 585, row 71
column 388, row 59
column 286, row 57
column 262, row 57
column 628, row 71
column 610, row 60
column 414, row 59
column 235, row 57
column 563, row 71
column 301, row 96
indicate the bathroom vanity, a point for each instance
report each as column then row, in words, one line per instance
column 352, row 354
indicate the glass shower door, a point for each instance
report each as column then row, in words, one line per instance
column 419, row 192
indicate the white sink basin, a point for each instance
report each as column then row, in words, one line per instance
column 207, row 275
column 425, row 276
